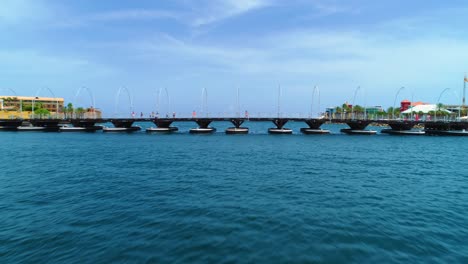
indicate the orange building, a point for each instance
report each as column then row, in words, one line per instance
column 16, row 103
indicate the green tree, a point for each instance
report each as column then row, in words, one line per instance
column 440, row 106
column 346, row 108
column 69, row 110
column 358, row 109
column 28, row 106
column 80, row 112
column 41, row 112
column 464, row 111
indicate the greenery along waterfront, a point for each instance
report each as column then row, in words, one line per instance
column 347, row 111
column 42, row 107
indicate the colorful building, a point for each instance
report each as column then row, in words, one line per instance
column 17, row 103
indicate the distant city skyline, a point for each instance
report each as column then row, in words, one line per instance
column 254, row 45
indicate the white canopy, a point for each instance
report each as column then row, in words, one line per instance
column 424, row 108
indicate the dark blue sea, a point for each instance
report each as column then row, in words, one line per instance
column 257, row 198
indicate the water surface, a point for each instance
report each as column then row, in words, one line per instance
column 258, row 198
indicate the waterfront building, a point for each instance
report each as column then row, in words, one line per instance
column 374, row 109
column 330, row 110
column 17, row 103
column 405, row 105
column 425, row 109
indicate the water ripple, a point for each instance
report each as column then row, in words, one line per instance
column 138, row 198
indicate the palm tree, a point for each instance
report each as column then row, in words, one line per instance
column 359, row 109
column 80, row 112
column 439, row 106
column 346, row 107
column 69, row 110
column 390, row 111
column 338, row 110
column 464, row 111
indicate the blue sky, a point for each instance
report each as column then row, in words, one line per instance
column 255, row 45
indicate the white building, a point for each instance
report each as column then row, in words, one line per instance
column 425, row 109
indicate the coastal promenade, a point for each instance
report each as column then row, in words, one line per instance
column 204, row 125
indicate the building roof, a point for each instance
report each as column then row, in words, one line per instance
column 424, row 108
column 30, row 98
column 419, row 103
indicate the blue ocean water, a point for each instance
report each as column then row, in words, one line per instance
column 258, row 198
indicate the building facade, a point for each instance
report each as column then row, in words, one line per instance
column 18, row 103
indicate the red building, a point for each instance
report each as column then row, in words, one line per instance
column 404, row 105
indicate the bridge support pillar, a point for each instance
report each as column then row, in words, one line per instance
column 122, row 125
column 237, row 129
column 280, row 129
column 203, row 127
column 81, row 125
column 358, row 127
column 162, row 125
column 446, row 128
column 402, row 128
column 314, row 127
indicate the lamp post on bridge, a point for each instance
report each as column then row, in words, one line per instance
column 316, row 90
column 394, row 101
column 459, row 108
column 279, row 101
column 354, row 100
column 438, row 102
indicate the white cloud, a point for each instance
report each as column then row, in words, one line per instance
column 326, row 8
column 341, row 60
column 377, row 58
column 220, row 10
column 131, row 14
column 193, row 14
column 78, row 20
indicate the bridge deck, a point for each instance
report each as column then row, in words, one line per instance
column 228, row 119
column 251, row 119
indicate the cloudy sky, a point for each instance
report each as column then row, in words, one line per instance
column 220, row 45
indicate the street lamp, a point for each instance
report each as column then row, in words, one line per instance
column 394, row 101
column 438, row 101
